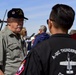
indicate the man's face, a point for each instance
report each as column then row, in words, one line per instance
column 15, row 25
column 40, row 31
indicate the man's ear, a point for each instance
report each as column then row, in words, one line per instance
column 8, row 23
column 7, row 19
column 49, row 24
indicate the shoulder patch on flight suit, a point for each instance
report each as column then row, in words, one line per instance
column 21, row 68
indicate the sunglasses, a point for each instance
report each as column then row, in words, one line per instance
column 50, row 20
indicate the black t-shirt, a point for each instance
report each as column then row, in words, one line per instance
column 55, row 56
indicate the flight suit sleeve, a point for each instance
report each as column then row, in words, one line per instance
column 32, row 65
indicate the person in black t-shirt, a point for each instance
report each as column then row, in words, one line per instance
column 56, row 55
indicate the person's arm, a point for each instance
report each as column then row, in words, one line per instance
column 31, row 65
column 1, row 55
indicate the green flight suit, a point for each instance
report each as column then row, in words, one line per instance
column 12, row 51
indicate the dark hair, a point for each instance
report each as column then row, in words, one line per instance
column 62, row 15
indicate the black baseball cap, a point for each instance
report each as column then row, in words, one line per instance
column 16, row 13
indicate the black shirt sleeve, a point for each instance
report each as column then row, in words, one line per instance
column 32, row 65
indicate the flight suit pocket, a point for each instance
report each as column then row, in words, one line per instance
column 14, row 51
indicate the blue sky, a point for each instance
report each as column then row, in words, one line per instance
column 36, row 10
